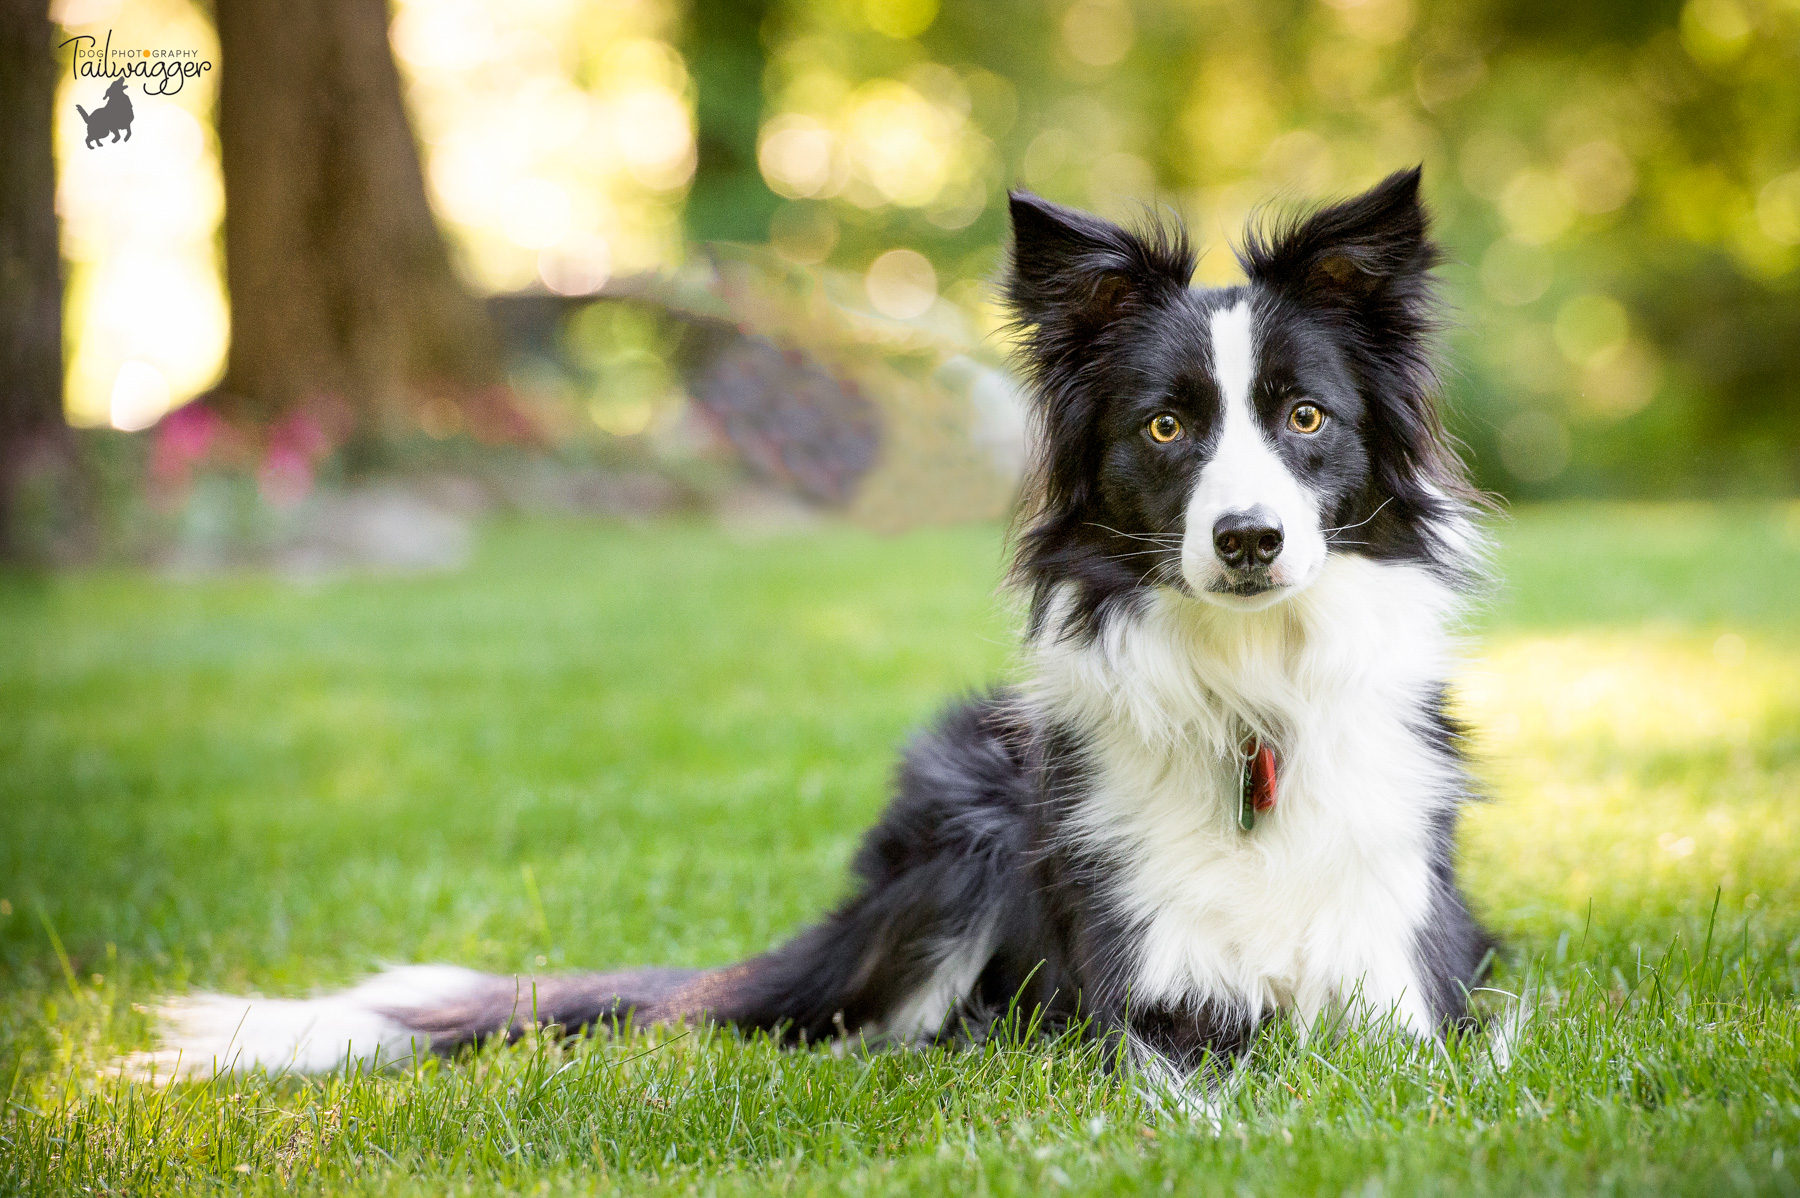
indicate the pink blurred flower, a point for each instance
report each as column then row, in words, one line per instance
column 183, row 440
column 295, row 445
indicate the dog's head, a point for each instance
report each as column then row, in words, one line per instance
column 117, row 89
column 1225, row 442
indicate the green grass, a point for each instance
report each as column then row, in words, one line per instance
column 610, row 746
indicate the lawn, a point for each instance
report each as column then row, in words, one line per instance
column 606, row 745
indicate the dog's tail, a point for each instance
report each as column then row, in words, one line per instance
column 82, row 111
column 842, row 976
column 896, row 960
column 415, row 1009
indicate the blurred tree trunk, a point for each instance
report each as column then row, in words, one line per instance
column 729, row 200
column 341, row 285
column 37, row 448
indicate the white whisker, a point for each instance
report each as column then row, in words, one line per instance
column 1172, row 539
column 1360, row 523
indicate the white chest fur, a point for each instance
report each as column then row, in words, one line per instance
column 1321, row 904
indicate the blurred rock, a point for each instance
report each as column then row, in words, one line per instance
column 225, row 525
column 574, row 491
column 386, row 528
column 794, row 423
column 455, row 493
column 757, row 510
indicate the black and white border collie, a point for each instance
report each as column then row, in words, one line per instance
column 1226, row 788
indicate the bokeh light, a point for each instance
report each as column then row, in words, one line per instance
column 901, row 284
column 576, row 265
column 796, row 157
column 140, row 396
column 1098, row 32
column 898, row 144
column 550, row 131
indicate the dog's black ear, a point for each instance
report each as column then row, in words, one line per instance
column 1366, row 264
column 1365, row 255
column 1071, row 273
column 1074, row 282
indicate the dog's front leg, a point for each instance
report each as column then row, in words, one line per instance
column 1188, row 1060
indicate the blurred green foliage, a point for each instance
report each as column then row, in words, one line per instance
column 727, row 200
column 1616, row 182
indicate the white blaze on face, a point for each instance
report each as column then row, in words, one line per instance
column 1243, row 472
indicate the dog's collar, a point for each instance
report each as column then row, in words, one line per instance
column 1256, row 779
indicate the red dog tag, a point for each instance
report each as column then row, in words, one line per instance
column 1256, row 782
column 1262, row 778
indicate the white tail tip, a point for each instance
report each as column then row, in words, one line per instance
column 208, row 1034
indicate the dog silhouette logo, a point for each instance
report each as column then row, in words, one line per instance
column 112, row 117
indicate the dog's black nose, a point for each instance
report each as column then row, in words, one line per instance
column 1251, row 537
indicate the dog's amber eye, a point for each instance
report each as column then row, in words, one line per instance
column 1306, row 418
column 1163, row 428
